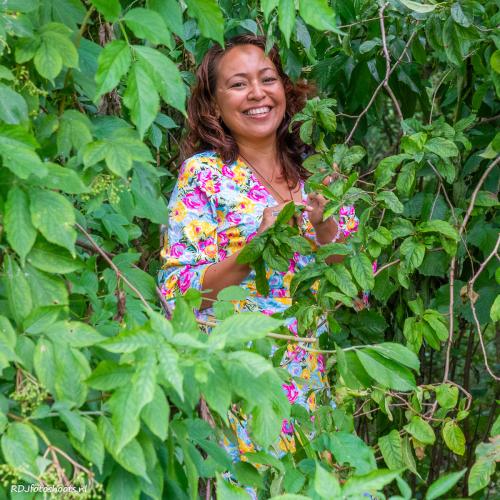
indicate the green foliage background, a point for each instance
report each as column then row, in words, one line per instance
column 98, row 389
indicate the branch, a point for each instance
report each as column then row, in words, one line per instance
column 119, row 274
column 381, row 84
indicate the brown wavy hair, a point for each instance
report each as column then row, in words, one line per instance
column 206, row 131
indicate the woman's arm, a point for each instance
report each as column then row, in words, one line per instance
column 225, row 273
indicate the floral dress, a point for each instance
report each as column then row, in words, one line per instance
column 214, row 210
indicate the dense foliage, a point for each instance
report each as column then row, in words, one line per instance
column 100, row 390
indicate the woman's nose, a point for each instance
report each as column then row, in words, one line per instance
column 256, row 91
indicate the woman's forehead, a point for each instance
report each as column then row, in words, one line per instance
column 243, row 59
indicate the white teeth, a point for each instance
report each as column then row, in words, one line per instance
column 258, row 111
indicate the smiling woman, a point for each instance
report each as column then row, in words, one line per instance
column 243, row 165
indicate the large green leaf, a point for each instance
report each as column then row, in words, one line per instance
column 20, row 446
column 391, row 449
column 157, row 406
column 14, row 109
column 398, row 353
column 386, row 371
column 165, row 75
column 171, row 12
column 452, row 42
column 52, row 259
column 326, row 483
column 441, row 147
column 148, row 24
column 54, row 216
column 348, row 448
column 241, row 328
column 421, row 430
column 318, row 14
column 372, row 482
column 17, row 290
column 444, row 484
column 17, row 219
column 339, row 276
column 454, row 437
column 361, row 267
column 114, row 61
column 141, row 97
column 286, row 18
column 110, row 9
column 209, row 17
column 390, row 200
column 91, row 447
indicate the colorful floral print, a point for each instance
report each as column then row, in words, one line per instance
column 214, row 210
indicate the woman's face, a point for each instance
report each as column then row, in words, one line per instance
column 250, row 96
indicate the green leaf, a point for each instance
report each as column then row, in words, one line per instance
column 53, row 215
column 20, row 446
column 286, row 18
column 71, row 371
column 21, row 234
column 53, row 259
column 46, row 289
column 114, row 62
column 318, row 14
column 209, row 17
column 444, row 148
column 17, row 290
column 435, row 321
column 242, row 328
column 350, row 449
column 75, row 333
column 439, row 226
column 14, row 109
column 413, row 252
column 74, row 132
column 391, row 449
column 228, row 491
column 16, row 148
column 267, row 7
column 452, row 42
column 148, row 24
column 361, row 267
column 406, row 179
column 48, row 61
column 110, row 9
column 44, row 364
column 109, row 375
column 339, row 276
column 141, row 98
column 233, row 292
column 390, row 200
column 62, row 178
column 131, row 340
column 421, row 430
column 398, row 353
column 480, row 475
column 169, row 368
column 326, row 483
column 371, row 482
column 157, row 406
column 171, row 12
column 386, row 371
column 444, row 484
column 495, row 309
column 418, row 7
column 454, row 437
column 447, row 396
column 165, row 75
column 91, row 447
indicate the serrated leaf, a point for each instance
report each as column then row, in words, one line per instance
column 390, row 200
column 53, row 215
column 318, row 14
column 148, row 24
column 141, row 98
column 386, row 371
column 361, row 268
column 454, row 437
column 326, row 484
column 447, row 395
column 114, row 62
column 157, row 406
column 209, row 17
column 398, row 353
column 20, row 446
column 480, row 475
column 286, row 18
column 48, row 61
column 339, row 276
column 444, row 148
column 53, row 259
column 371, row 482
column 421, row 430
column 169, row 369
column 17, row 290
column 91, row 447
column 390, row 447
column 422, row 8
column 21, row 233
column 444, row 484
column 110, row 9
column 109, row 375
column 14, row 109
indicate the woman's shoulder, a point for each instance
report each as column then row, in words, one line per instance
column 204, row 160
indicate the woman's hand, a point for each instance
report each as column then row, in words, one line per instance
column 269, row 216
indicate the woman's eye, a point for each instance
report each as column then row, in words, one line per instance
column 270, row 79
column 237, row 85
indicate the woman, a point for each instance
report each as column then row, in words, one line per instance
column 244, row 165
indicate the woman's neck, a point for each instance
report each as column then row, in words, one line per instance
column 264, row 155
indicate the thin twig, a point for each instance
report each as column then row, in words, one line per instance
column 381, row 84
column 117, row 271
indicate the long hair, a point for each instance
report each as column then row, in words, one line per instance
column 206, row 131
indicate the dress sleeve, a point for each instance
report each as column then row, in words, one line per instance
column 189, row 240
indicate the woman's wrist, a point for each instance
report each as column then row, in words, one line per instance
column 327, row 231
